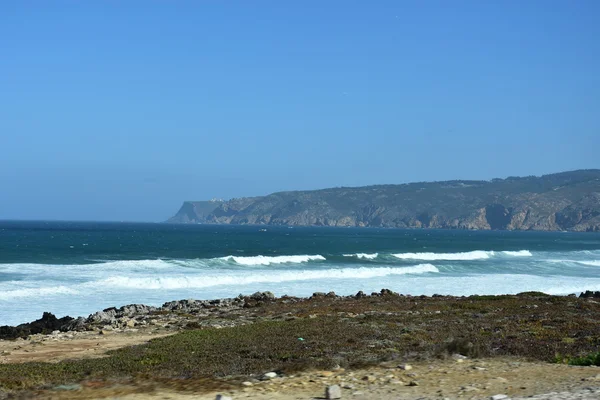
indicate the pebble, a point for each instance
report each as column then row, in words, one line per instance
column 369, row 378
column 499, row 397
column 270, row 375
column 223, row 397
column 247, row 383
column 413, row 383
column 405, row 367
column 333, row 392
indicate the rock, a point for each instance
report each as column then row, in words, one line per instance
column 369, row 378
column 223, row 397
column 269, row 375
column 360, row 295
column 405, row 367
column 44, row 325
column 262, row 296
column 130, row 323
column 499, row 397
column 413, row 383
column 318, row 294
column 74, row 325
column 457, row 356
column 247, row 383
column 105, row 332
column 333, row 392
column 107, row 316
column 589, row 294
column 134, row 310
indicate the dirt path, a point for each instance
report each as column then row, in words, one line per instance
column 62, row 346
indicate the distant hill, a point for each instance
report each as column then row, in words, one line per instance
column 563, row 201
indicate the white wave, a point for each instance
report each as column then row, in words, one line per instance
column 266, row 260
column 520, row 253
column 187, row 282
column 36, row 292
column 104, row 266
column 363, row 255
column 595, row 263
column 471, row 255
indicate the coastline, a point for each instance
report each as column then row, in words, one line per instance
column 493, row 334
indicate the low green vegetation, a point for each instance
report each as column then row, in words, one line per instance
column 290, row 336
column 586, row 361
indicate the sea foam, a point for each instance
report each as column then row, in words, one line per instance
column 471, row 255
column 37, row 292
column 363, row 255
column 268, row 260
column 595, row 263
column 520, row 253
column 187, row 282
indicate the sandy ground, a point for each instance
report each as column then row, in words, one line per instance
column 62, row 346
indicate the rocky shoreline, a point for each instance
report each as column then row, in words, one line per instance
column 378, row 346
column 180, row 314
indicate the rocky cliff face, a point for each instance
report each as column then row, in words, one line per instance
column 564, row 201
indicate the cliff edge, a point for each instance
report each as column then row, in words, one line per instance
column 564, row 201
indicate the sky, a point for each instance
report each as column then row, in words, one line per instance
column 120, row 111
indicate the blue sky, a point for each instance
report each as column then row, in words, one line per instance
column 116, row 110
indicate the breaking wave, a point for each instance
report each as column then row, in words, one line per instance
column 465, row 256
column 363, row 255
column 36, row 292
column 266, row 260
column 592, row 263
column 471, row 255
column 187, row 282
column 520, row 253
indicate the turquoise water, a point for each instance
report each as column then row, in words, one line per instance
column 79, row 268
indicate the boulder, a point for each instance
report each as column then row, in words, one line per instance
column 134, row 310
column 588, row 294
column 262, row 296
column 107, row 316
column 74, row 325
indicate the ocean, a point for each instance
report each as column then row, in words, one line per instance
column 76, row 268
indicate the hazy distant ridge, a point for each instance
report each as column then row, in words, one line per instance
column 563, row 201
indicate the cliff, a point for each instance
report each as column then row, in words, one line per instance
column 563, row 201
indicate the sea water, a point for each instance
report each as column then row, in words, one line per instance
column 75, row 269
